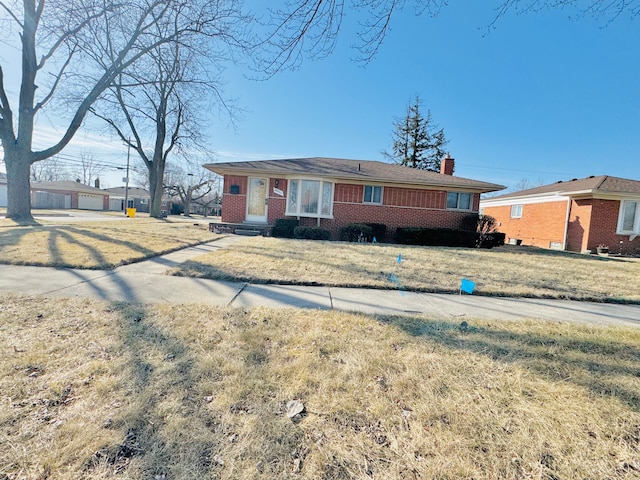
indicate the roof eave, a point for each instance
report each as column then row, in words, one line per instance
column 480, row 187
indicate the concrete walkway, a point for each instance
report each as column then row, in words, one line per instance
column 145, row 282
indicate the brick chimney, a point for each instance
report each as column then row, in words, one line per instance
column 447, row 165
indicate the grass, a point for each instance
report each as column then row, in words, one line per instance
column 98, row 244
column 92, row 390
column 505, row 271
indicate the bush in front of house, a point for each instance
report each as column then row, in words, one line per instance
column 436, row 237
column 284, row 228
column 379, row 230
column 490, row 240
column 470, row 222
column 446, row 237
column 354, row 231
column 311, row 233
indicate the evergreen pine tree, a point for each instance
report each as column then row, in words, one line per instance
column 417, row 142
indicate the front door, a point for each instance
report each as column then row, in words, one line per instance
column 257, row 200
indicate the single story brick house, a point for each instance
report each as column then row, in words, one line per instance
column 331, row 193
column 3, row 189
column 135, row 197
column 576, row 215
column 68, row 194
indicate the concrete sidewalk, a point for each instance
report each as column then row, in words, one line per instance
column 145, row 282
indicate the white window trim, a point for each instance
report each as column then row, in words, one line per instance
column 457, row 207
column 511, row 215
column 298, row 213
column 636, row 220
column 373, row 187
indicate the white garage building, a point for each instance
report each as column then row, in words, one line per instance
column 68, row 194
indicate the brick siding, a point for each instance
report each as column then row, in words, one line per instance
column 604, row 224
column 579, row 225
column 541, row 224
column 402, row 207
column 591, row 222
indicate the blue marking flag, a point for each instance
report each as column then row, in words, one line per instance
column 467, row 286
column 374, row 240
column 399, row 257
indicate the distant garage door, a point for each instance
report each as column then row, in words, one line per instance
column 86, row 201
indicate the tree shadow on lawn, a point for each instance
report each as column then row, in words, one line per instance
column 57, row 258
column 73, row 235
column 598, row 365
column 167, row 423
column 171, row 428
column 379, row 279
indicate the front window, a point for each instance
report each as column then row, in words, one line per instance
column 372, row 194
column 629, row 220
column 516, row 211
column 310, row 198
column 459, row 201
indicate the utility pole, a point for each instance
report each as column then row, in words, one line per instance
column 126, row 180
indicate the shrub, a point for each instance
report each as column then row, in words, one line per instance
column 379, row 230
column 311, row 233
column 442, row 237
column 470, row 222
column 352, row 232
column 490, row 240
column 284, row 228
column 487, row 235
column 356, row 232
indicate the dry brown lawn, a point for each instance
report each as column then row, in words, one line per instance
column 504, row 271
column 91, row 390
column 101, row 244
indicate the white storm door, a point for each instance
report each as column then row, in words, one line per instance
column 257, row 200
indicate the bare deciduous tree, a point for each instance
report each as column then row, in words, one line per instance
column 49, row 170
column 155, row 109
column 58, row 40
column 89, row 169
column 188, row 187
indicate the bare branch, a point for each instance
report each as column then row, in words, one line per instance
column 5, row 7
column 56, row 82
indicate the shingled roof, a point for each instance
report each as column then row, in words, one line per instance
column 67, row 186
column 351, row 170
column 602, row 185
column 131, row 191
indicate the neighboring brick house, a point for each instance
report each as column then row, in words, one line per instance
column 331, row 193
column 3, row 189
column 68, row 194
column 576, row 215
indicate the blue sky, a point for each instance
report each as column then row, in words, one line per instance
column 542, row 97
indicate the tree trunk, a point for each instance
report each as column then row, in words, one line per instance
column 156, row 190
column 187, row 202
column 18, row 186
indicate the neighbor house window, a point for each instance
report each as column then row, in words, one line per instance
column 372, row 194
column 459, row 201
column 629, row 220
column 309, row 198
column 516, row 211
